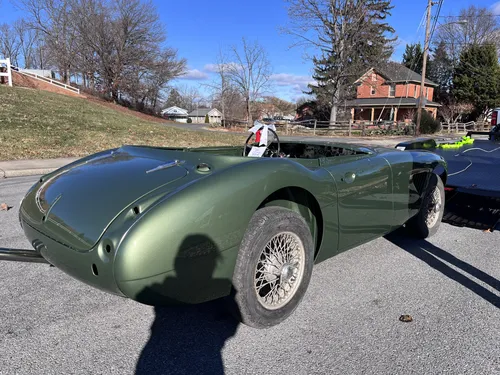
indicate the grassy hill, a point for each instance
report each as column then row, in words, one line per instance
column 37, row 124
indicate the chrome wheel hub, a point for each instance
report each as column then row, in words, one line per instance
column 434, row 207
column 287, row 272
column 279, row 271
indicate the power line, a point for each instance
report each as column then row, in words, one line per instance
column 440, row 4
column 472, row 16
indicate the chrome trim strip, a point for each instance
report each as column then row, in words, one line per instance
column 170, row 164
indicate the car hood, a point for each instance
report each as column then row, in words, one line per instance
column 75, row 204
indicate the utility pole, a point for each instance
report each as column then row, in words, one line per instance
column 424, row 66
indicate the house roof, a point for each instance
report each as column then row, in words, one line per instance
column 396, row 102
column 175, row 111
column 204, row 111
column 395, row 72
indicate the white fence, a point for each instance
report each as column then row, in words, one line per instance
column 49, row 80
column 8, row 73
column 348, row 128
column 32, row 74
column 464, row 127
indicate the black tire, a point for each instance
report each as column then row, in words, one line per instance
column 418, row 225
column 265, row 224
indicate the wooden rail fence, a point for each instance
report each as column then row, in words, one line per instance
column 365, row 128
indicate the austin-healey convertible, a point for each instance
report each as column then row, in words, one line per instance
column 244, row 224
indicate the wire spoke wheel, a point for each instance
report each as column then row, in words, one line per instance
column 273, row 268
column 434, row 207
column 279, row 270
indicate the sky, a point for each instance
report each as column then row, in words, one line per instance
column 198, row 28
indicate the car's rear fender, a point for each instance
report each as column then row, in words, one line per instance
column 201, row 225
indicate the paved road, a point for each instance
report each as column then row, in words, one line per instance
column 347, row 324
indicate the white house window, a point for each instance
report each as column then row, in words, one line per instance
column 374, row 77
column 392, row 90
column 372, row 91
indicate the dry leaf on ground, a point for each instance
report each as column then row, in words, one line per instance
column 5, row 207
column 406, row 318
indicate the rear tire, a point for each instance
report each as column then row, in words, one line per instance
column 273, row 268
column 426, row 223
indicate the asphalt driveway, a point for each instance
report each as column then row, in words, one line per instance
column 347, row 324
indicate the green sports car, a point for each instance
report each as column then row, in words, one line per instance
column 245, row 224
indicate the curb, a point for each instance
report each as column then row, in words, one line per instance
column 34, row 167
column 25, row 172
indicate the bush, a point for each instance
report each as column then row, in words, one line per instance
column 207, row 120
column 428, row 125
column 189, row 121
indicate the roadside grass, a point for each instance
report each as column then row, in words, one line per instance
column 38, row 124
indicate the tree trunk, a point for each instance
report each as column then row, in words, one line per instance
column 333, row 114
column 66, row 76
column 223, row 107
column 249, row 114
column 114, row 94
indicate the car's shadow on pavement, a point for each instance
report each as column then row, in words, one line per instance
column 188, row 339
column 436, row 258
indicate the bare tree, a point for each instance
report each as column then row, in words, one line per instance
column 452, row 111
column 279, row 105
column 52, row 19
column 27, row 41
column 10, row 46
column 220, row 86
column 122, row 42
column 250, row 72
column 116, row 47
column 474, row 25
column 235, row 104
column 184, row 96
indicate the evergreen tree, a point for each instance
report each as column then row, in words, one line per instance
column 353, row 38
column 413, row 58
column 174, row 99
column 441, row 72
column 477, row 78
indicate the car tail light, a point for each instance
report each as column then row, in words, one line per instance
column 494, row 116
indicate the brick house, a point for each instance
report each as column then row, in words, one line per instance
column 390, row 93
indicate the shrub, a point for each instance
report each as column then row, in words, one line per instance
column 189, row 121
column 428, row 125
column 207, row 120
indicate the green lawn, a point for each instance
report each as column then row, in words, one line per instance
column 38, row 125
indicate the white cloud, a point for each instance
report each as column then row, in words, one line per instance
column 495, row 8
column 291, row 86
column 214, row 68
column 194, row 74
column 284, row 79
